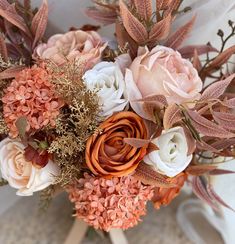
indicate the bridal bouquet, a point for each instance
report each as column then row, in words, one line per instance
column 114, row 123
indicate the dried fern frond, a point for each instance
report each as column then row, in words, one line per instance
column 70, row 170
column 78, row 119
column 66, row 145
column 3, row 127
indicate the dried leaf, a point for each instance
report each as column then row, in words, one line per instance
column 11, row 15
column 11, row 72
column 133, row 26
column 226, row 120
column 38, row 159
column 221, row 59
column 154, row 99
column 152, row 128
column 200, row 191
column 152, row 147
column 177, row 38
column 104, row 17
column 4, row 4
column 217, row 89
column 15, row 37
column 135, row 142
column 196, row 61
column 27, row 4
column 39, row 22
column 87, row 27
column 207, row 127
column 161, row 29
column 124, row 38
column 172, row 6
column 172, row 116
column 203, row 146
column 221, row 172
column 188, row 51
column 148, row 176
column 191, row 142
column 223, row 144
column 162, row 4
column 144, row 8
column 3, row 48
column 21, row 125
column 149, row 110
column 198, row 170
column 230, row 103
column 216, row 197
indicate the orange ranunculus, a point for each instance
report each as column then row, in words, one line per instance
column 164, row 196
column 107, row 154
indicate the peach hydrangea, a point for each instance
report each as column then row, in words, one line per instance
column 110, row 203
column 30, row 95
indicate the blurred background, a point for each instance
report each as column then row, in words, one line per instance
column 22, row 223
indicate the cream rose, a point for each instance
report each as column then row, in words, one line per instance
column 21, row 174
column 172, row 157
column 108, row 80
column 72, row 45
column 161, row 71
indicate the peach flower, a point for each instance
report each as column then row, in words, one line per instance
column 161, row 71
column 110, row 203
column 72, row 45
column 107, row 154
column 22, row 174
column 31, row 95
column 164, row 196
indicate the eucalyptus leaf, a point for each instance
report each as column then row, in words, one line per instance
column 21, row 125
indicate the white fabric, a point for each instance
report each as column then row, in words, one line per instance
column 210, row 16
column 224, row 185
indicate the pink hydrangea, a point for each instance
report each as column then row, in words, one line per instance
column 30, row 95
column 110, row 203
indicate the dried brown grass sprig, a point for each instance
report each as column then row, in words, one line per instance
column 78, row 119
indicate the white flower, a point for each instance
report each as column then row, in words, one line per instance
column 21, row 174
column 108, row 80
column 172, row 157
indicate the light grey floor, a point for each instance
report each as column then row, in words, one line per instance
column 23, row 224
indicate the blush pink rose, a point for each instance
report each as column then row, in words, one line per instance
column 161, row 71
column 72, row 45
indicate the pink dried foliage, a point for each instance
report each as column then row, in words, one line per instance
column 110, row 203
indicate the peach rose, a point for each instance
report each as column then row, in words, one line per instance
column 164, row 196
column 22, row 174
column 72, row 45
column 107, row 154
column 161, row 71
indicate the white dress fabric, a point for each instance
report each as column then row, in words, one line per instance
column 211, row 15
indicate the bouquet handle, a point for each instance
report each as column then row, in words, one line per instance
column 79, row 229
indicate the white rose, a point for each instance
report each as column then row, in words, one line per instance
column 172, row 156
column 108, row 80
column 21, row 174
